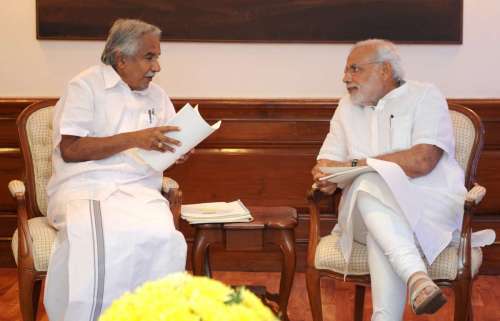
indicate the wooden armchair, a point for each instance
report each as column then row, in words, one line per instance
column 455, row 267
column 33, row 239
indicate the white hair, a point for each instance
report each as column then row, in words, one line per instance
column 385, row 51
column 124, row 37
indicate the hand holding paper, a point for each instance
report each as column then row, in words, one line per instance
column 343, row 176
column 193, row 130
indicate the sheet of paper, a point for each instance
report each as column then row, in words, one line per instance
column 193, row 130
column 222, row 220
column 343, row 175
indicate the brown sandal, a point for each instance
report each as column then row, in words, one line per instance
column 433, row 300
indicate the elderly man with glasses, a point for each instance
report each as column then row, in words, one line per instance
column 404, row 127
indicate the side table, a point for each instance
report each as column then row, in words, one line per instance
column 271, row 225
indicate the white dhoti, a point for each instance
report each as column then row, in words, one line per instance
column 385, row 211
column 105, row 248
column 395, row 218
column 433, row 216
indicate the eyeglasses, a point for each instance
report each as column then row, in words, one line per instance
column 356, row 68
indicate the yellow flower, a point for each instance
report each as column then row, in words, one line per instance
column 182, row 297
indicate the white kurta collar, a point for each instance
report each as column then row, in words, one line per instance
column 111, row 77
column 396, row 92
column 141, row 92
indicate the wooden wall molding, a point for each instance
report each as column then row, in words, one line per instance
column 262, row 154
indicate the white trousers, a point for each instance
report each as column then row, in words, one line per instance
column 392, row 254
column 104, row 248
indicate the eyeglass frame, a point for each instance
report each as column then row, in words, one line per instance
column 354, row 69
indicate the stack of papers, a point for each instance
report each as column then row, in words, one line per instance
column 343, row 175
column 216, row 212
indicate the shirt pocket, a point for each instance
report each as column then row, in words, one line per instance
column 147, row 119
column 400, row 132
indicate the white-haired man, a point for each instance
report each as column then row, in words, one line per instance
column 115, row 230
column 406, row 124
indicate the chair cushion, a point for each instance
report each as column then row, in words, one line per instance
column 329, row 257
column 39, row 131
column 43, row 236
column 464, row 133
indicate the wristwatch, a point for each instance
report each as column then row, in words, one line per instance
column 354, row 162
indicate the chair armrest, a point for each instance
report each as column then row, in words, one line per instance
column 16, row 187
column 168, row 184
column 314, row 197
column 476, row 194
column 25, row 247
column 473, row 197
column 172, row 192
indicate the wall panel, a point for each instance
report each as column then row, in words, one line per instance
column 423, row 21
column 262, row 155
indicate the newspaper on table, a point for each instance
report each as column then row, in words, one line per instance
column 216, row 212
column 193, row 130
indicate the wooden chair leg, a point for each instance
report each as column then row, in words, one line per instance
column 287, row 247
column 206, row 266
column 314, row 293
column 36, row 297
column 359, row 302
column 29, row 294
column 200, row 251
column 463, row 300
column 471, row 312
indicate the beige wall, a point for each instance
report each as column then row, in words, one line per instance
column 32, row 68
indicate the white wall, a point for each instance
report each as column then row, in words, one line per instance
column 33, row 68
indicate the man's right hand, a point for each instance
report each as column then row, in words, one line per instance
column 155, row 139
column 79, row 149
column 324, row 186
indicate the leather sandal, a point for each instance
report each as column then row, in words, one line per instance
column 432, row 302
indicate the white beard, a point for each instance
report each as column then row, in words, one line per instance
column 357, row 99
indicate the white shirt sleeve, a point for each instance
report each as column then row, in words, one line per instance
column 432, row 123
column 77, row 115
column 334, row 146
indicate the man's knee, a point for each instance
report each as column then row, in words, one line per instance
column 371, row 178
column 366, row 202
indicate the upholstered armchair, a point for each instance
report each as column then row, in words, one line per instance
column 455, row 267
column 33, row 239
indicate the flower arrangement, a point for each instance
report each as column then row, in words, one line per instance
column 182, row 297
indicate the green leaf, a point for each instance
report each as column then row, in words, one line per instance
column 235, row 297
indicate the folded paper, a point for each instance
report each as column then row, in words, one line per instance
column 193, row 130
column 216, row 212
column 343, row 175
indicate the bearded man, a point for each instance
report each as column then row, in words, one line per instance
column 413, row 202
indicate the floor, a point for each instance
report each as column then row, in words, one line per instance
column 337, row 302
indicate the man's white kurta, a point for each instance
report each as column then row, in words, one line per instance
column 115, row 228
column 414, row 113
